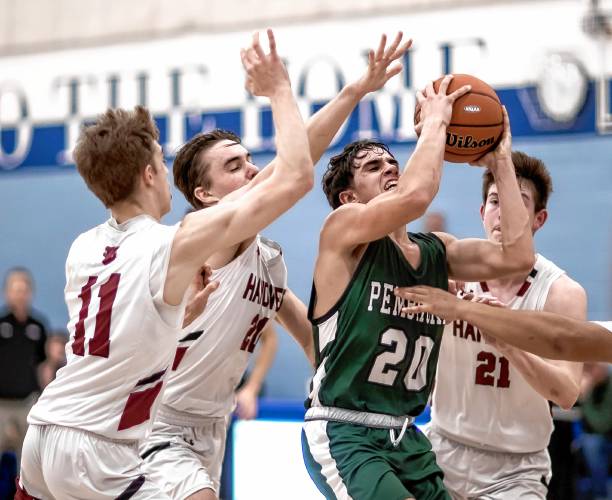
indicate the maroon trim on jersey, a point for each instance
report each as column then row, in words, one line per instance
column 133, row 487
column 151, row 379
column 138, row 407
column 21, row 493
column 525, row 286
column 178, row 357
column 523, row 290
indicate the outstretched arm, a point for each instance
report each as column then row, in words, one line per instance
column 543, row 333
column 325, row 123
column 478, row 259
column 205, row 231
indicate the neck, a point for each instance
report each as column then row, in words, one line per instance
column 20, row 314
column 128, row 209
column 507, row 283
column 400, row 235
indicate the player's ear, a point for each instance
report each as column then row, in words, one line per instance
column 148, row 174
column 482, row 211
column 347, row 197
column 204, row 196
column 539, row 219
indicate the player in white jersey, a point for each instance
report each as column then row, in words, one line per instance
column 490, row 428
column 185, row 450
column 543, row 333
column 126, row 282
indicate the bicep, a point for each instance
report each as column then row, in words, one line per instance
column 474, row 259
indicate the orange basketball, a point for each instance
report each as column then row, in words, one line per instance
column 477, row 122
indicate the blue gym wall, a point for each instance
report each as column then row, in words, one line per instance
column 41, row 212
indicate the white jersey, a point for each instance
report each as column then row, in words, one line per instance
column 120, row 348
column 213, row 351
column 480, row 399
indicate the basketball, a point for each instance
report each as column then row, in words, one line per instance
column 477, row 121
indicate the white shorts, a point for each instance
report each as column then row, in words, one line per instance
column 184, row 459
column 63, row 463
column 476, row 473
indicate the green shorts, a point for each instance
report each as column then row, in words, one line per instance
column 350, row 461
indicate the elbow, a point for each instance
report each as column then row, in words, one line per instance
column 304, row 170
column 567, row 399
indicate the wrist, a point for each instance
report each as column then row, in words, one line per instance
column 502, row 164
column 355, row 90
column 282, row 90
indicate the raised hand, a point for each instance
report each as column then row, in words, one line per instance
column 265, row 73
column 438, row 105
column 380, row 70
column 503, row 151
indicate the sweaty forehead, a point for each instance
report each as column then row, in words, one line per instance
column 367, row 155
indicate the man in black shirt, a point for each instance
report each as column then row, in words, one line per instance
column 22, row 349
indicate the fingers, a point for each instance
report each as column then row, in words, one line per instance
column 459, row 92
column 507, row 132
column 444, row 84
column 371, row 58
column 392, row 71
column 381, row 46
column 420, row 97
column 393, row 47
column 429, row 89
column 402, row 50
column 271, row 42
column 257, row 47
column 245, row 62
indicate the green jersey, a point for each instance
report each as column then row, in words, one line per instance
column 370, row 356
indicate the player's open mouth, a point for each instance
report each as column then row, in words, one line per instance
column 390, row 184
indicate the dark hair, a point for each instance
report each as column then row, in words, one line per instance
column 529, row 168
column 189, row 173
column 111, row 153
column 339, row 174
column 23, row 271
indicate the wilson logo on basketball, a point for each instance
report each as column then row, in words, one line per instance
column 471, row 108
column 467, row 142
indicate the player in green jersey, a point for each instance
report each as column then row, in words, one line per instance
column 374, row 363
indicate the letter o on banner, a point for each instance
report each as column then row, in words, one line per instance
column 14, row 99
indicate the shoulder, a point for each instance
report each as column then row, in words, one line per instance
column 445, row 238
column 568, row 297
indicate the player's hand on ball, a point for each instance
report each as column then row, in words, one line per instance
column 503, row 151
column 432, row 105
